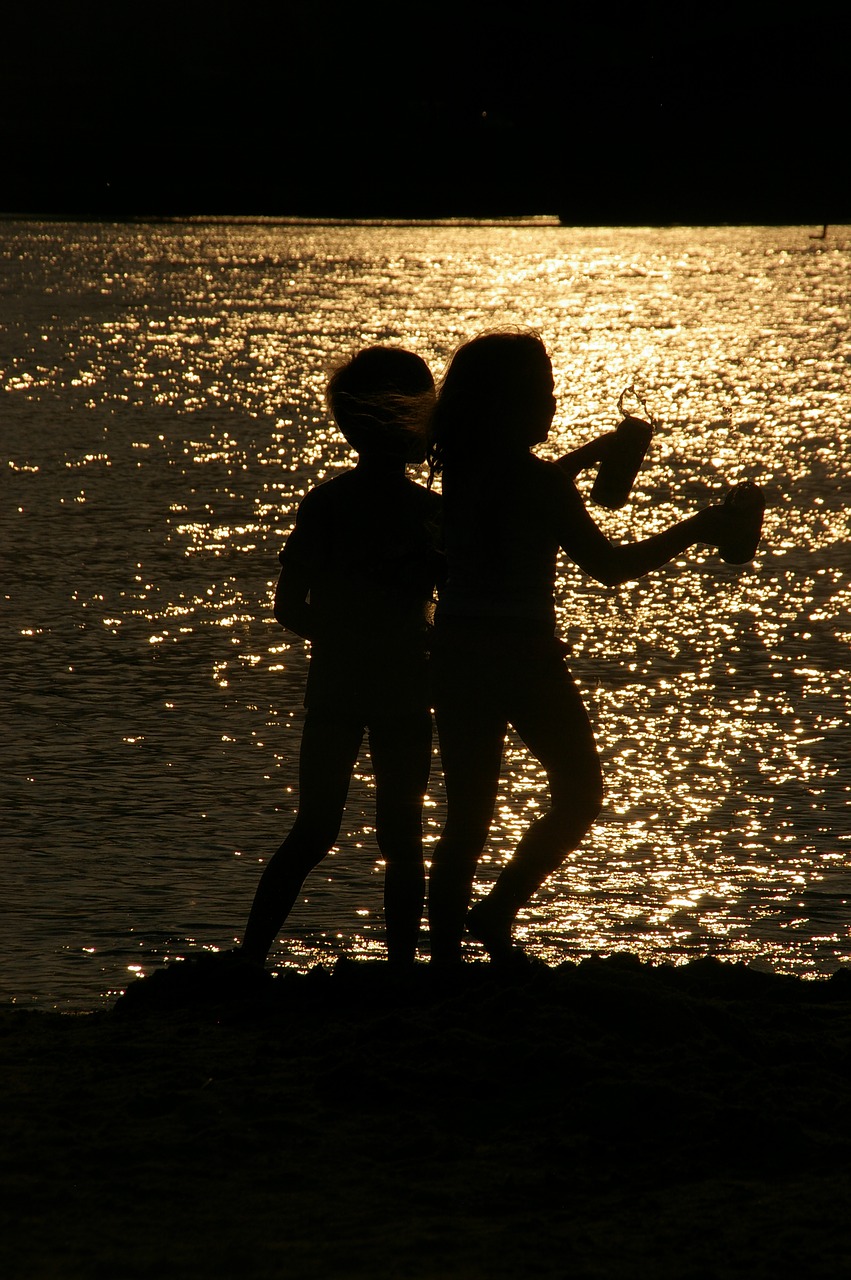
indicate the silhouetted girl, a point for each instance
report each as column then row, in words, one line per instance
column 495, row 658
column 357, row 580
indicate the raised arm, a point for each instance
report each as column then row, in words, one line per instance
column 587, row 455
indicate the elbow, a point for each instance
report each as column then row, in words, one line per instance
column 284, row 609
column 610, row 573
column 289, row 618
column 618, row 566
column 618, row 577
column 294, row 617
column 603, row 561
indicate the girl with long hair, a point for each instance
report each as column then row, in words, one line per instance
column 495, row 659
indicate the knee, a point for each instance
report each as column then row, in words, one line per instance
column 309, row 841
column 459, row 846
column 575, row 812
column 399, row 828
column 466, row 832
column 591, row 804
column 400, row 848
column 583, row 788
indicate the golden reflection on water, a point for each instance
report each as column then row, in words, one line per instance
column 164, row 415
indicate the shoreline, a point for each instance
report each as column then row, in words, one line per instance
column 604, row 1119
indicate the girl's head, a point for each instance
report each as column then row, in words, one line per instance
column 496, row 396
column 376, row 399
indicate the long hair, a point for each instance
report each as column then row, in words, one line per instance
column 483, row 399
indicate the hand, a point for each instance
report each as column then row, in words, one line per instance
column 746, row 506
column 714, row 525
column 733, row 524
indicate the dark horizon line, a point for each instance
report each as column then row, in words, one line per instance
column 330, row 219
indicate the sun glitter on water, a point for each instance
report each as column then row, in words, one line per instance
column 163, row 394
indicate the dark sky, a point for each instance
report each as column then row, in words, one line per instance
column 600, row 113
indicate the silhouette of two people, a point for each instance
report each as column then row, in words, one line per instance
column 358, row 576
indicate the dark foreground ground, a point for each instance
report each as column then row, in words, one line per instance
column 602, row 1120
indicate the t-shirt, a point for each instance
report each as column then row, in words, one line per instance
column 366, row 543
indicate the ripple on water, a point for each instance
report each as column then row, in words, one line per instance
column 163, row 415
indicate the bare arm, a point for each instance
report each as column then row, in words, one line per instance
column 588, row 546
column 291, row 602
column 587, row 455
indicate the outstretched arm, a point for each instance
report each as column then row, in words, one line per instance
column 635, row 559
column 588, row 546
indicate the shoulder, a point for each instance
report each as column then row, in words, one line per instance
column 555, row 495
column 319, row 511
column 424, row 499
column 543, row 466
column 548, row 478
column 328, row 490
column 325, row 496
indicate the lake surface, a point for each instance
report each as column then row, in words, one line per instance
column 161, row 416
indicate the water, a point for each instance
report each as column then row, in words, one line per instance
column 162, row 415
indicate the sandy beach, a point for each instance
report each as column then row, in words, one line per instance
column 609, row 1119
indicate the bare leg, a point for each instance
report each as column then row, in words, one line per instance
column 401, row 758
column 471, row 744
column 329, row 750
column 551, row 719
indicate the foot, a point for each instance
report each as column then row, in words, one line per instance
column 493, row 934
column 495, row 937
